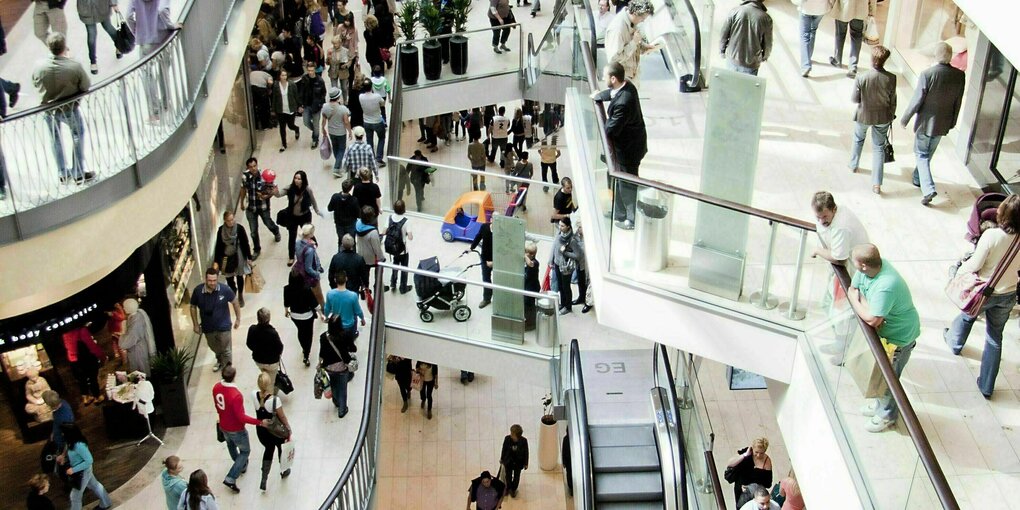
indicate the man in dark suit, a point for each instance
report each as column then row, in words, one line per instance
column 936, row 103
column 625, row 128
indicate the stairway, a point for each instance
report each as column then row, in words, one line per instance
column 626, row 464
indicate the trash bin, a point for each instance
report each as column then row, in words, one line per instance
column 652, row 225
column 546, row 335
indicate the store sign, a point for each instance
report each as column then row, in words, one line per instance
column 48, row 326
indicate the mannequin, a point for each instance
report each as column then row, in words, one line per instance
column 137, row 341
column 34, row 389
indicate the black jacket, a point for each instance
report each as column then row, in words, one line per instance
column 292, row 98
column 299, row 298
column 264, row 343
column 477, row 482
column 219, row 251
column 292, row 47
column 514, row 455
column 484, row 238
column 625, row 127
column 353, row 265
column 328, row 355
column 345, row 209
column 312, row 93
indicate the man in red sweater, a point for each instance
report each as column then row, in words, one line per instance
column 230, row 407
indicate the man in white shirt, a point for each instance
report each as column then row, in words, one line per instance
column 839, row 231
column 498, row 128
column 762, row 500
column 374, row 108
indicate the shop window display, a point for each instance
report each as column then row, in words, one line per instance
column 923, row 23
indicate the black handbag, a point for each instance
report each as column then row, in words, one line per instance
column 890, row 156
column 283, row 382
column 219, row 434
column 283, row 218
column 125, row 39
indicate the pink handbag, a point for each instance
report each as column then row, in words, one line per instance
column 969, row 292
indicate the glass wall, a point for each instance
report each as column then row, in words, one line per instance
column 922, row 23
column 996, row 142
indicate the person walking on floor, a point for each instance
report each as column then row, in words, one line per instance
column 746, row 37
column 173, row 483
column 486, row 492
column 359, row 155
column 875, row 95
column 308, row 264
column 336, row 121
column 352, row 264
column 197, row 496
column 403, row 373
column 936, row 103
column 373, row 108
column 232, row 254
column 881, row 298
column 548, row 154
column 312, row 95
column 268, row 406
column 92, row 13
column 992, row 249
column 514, row 457
column 500, row 16
column 418, row 176
column 285, row 102
column 429, row 374
column 850, row 13
column 484, row 239
column 345, row 211
column 301, row 306
column 79, row 469
column 369, row 243
column 264, row 343
column 229, row 405
column 811, row 14
column 567, row 257
column 342, row 311
column 398, row 234
column 476, row 155
column 625, row 128
column 256, row 194
column 212, row 301
column 300, row 204
column 498, row 133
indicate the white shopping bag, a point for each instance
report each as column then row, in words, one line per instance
column 286, row 455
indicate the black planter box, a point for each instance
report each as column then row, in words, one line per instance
column 432, row 60
column 444, row 43
column 408, row 64
column 458, row 54
column 175, row 403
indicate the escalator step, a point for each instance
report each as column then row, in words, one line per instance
column 630, row 505
column 622, row 435
column 620, row 459
column 624, row 487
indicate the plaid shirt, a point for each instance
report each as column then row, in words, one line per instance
column 359, row 154
column 254, row 187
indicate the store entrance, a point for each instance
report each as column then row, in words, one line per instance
column 996, row 142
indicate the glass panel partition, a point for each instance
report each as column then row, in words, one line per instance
column 698, row 436
column 481, row 60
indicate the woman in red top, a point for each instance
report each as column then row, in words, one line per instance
column 85, row 363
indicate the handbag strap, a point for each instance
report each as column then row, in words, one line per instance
column 329, row 337
column 1000, row 268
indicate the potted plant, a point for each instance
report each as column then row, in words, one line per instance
column 408, row 22
column 168, row 370
column 432, row 51
column 548, row 444
column 459, row 43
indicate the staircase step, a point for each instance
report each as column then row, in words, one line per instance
column 643, row 505
column 621, row 435
column 621, row 459
column 628, row 487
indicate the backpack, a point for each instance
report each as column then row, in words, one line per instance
column 394, row 244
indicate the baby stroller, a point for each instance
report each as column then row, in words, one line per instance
column 439, row 294
column 985, row 209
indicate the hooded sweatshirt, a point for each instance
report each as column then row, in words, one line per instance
column 381, row 86
column 369, row 246
column 173, row 487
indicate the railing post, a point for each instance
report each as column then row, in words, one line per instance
column 790, row 309
column 761, row 299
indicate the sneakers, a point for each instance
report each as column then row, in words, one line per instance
column 876, row 190
column 217, row 367
column 232, row 486
column 852, row 73
column 878, row 424
column 928, row 198
column 564, row 311
column 834, row 63
column 94, row 69
column 869, row 408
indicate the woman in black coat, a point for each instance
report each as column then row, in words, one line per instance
column 373, row 42
column 514, row 457
column 301, row 307
column 232, row 254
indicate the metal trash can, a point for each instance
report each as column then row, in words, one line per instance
column 546, row 335
column 652, row 226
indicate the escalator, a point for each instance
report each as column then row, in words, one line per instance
column 624, row 433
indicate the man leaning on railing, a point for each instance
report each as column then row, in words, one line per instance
column 59, row 78
column 625, row 129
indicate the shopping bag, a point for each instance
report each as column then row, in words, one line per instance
column 864, row 369
column 416, row 381
column 871, row 35
column 286, row 455
column 370, row 301
column 325, row 149
column 124, row 41
column 320, row 384
column 255, row 281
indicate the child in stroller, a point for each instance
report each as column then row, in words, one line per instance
column 439, row 294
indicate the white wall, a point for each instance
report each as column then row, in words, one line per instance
column 997, row 20
column 459, row 95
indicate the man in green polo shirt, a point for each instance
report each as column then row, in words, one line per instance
column 881, row 298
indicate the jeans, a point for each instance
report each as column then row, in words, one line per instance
column 71, row 116
column 536, row 6
column 342, row 230
column 286, row 120
column 996, row 312
column 924, row 149
column 887, row 409
column 90, row 31
column 338, row 386
column 89, row 480
column 478, row 181
column 808, row 30
column 373, row 130
column 253, row 225
column 487, row 278
column 305, row 327
column 741, row 69
column 311, row 118
column 339, row 144
column 399, row 260
column 879, row 137
column 426, row 393
column 856, row 35
column 239, row 449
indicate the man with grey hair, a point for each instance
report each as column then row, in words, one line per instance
column 352, row 264
column 624, row 42
column 746, row 37
column 265, row 344
column 936, row 103
column 59, row 78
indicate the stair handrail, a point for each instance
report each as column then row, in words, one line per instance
column 355, row 489
column 660, row 359
column 720, row 500
column 580, row 438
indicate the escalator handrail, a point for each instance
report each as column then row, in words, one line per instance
column 720, row 500
column 660, row 356
column 580, row 416
column 696, row 72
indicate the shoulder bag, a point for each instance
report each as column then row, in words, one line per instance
column 276, row 426
column 283, row 382
column 969, row 292
column 339, row 366
column 125, row 39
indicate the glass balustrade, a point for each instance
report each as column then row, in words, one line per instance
column 480, row 58
column 698, row 436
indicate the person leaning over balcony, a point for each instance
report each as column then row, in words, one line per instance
column 875, row 95
column 992, row 247
column 881, row 298
column 500, row 16
column 746, row 37
column 811, row 14
column 59, row 78
column 48, row 18
column 625, row 129
column 624, row 42
column 92, row 13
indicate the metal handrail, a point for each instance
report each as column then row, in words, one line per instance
column 507, row 177
column 457, row 279
column 720, row 500
column 679, row 449
column 446, row 36
column 581, row 437
column 372, row 409
column 899, row 395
